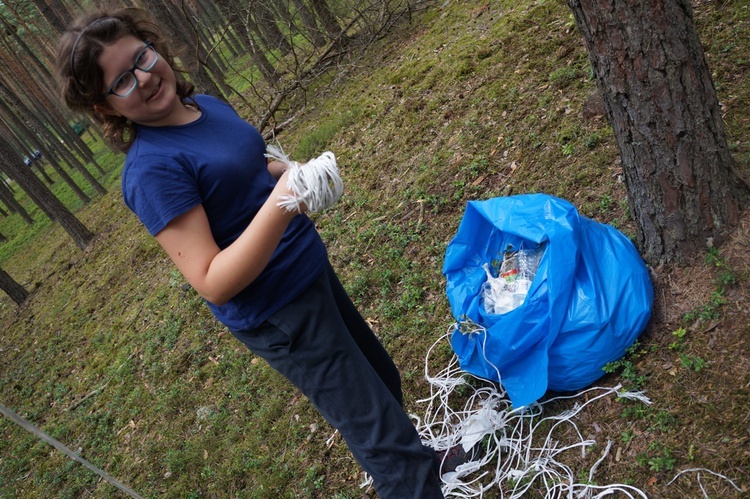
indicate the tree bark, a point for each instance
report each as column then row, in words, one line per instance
column 11, row 137
column 173, row 23
column 327, row 18
column 43, row 197
column 258, row 55
column 55, row 13
column 683, row 187
column 308, row 21
column 17, row 292
column 266, row 22
column 6, row 196
column 43, row 173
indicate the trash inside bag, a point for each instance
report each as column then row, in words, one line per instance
column 557, row 296
column 507, row 290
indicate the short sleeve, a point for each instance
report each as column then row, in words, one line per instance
column 158, row 189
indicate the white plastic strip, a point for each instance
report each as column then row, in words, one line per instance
column 316, row 183
column 523, row 451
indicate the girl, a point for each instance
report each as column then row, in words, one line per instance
column 196, row 176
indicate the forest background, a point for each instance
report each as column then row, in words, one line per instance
column 426, row 106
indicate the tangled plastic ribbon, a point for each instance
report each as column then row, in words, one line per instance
column 316, row 184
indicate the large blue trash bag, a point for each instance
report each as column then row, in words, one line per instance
column 589, row 301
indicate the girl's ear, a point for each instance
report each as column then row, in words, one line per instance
column 106, row 109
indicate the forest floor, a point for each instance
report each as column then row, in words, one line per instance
column 117, row 358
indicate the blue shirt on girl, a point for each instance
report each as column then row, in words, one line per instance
column 218, row 161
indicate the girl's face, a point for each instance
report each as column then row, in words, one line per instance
column 154, row 101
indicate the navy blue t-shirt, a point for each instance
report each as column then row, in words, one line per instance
column 218, row 161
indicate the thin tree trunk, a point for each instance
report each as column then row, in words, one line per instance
column 308, row 21
column 173, row 23
column 43, row 173
column 4, row 183
column 266, row 21
column 44, row 198
column 13, row 205
column 327, row 18
column 259, row 57
column 17, row 292
column 55, row 13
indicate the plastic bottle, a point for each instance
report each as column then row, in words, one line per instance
column 526, row 273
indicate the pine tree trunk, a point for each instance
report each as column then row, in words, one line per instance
column 43, row 197
column 683, row 187
column 17, row 292
column 6, row 195
column 43, row 173
column 55, row 14
column 308, row 21
column 173, row 23
column 326, row 18
column 258, row 56
column 266, row 21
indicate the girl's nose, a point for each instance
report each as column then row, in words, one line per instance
column 142, row 76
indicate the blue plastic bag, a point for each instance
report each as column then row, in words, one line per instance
column 589, row 301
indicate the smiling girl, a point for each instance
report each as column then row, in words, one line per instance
column 197, row 177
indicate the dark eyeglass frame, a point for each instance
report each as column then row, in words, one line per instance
column 111, row 91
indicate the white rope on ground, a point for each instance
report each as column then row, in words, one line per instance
column 522, row 447
column 698, row 478
column 26, row 425
column 516, row 456
column 316, row 183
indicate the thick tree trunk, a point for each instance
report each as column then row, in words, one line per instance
column 17, row 292
column 683, row 188
column 326, row 17
column 266, row 21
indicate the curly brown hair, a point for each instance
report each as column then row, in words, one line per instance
column 81, row 79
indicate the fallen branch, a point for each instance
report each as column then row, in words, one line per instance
column 321, row 62
column 281, row 126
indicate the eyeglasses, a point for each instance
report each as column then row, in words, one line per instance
column 126, row 82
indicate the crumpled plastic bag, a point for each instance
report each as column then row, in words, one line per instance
column 590, row 299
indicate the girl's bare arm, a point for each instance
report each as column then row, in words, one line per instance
column 216, row 274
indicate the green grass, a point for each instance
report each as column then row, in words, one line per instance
column 21, row 235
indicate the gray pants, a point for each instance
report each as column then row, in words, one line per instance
column 322, row 344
